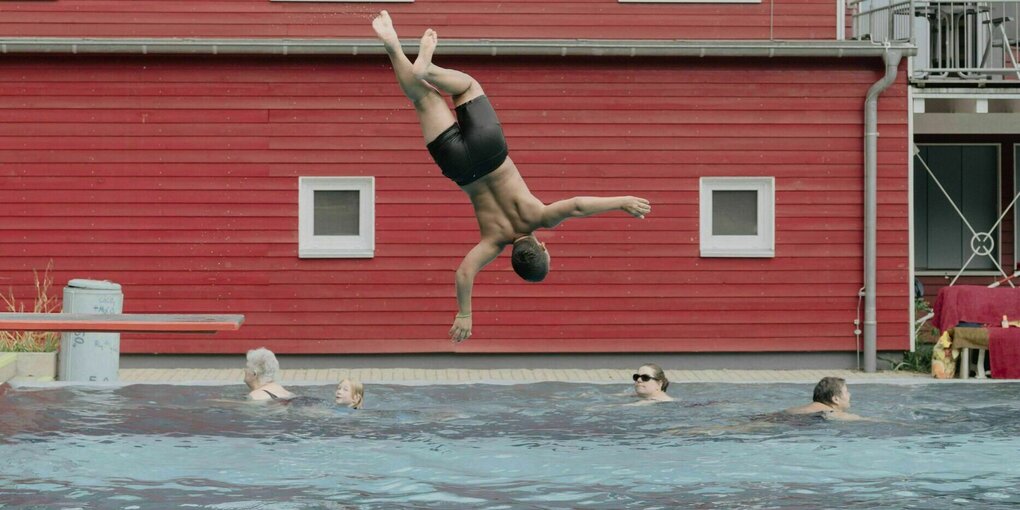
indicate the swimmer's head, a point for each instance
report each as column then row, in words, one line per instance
column 649, row 379
column 832, row 391
column 350, row 393
column 530, row 258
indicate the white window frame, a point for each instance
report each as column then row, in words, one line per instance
column 761, row 245
column 690, row 1
column 312, row 246
column 351, row 1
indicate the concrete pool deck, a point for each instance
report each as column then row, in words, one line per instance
column 501, row 376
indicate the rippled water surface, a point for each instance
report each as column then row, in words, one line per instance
column 547, row 445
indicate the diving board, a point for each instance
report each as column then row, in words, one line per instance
column 121, row 322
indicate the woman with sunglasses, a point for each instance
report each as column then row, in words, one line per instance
column 650, row 384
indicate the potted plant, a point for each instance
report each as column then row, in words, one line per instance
column 35, row 351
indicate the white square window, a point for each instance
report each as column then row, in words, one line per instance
column 690, row 1
column 349, row 1
column 336, row 217
column 738, row 217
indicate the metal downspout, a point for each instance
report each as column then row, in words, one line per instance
column 892, row 62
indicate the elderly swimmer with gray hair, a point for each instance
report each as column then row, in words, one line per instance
column 260, row 375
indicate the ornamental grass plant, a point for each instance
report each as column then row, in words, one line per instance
column 32, row 341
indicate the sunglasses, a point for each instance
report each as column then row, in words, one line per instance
column 644, row 377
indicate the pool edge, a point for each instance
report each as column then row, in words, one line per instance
column 8, row 366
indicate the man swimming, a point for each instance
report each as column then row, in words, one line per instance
column 831, row 400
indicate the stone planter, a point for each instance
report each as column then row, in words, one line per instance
column 37, row 366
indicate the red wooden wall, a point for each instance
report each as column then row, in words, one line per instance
column 470, row 19
column 177, row 177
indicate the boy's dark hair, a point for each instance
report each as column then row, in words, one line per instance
column 529, row 260
column 828, row 388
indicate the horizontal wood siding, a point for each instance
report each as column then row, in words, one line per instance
column 178, row 179
column 468, row 19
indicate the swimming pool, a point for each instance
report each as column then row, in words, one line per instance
column 544, row 445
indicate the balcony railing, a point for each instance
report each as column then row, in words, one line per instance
column 966, row 41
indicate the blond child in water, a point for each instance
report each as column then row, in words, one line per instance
column 350, row 393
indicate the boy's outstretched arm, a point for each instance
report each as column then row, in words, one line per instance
column 578, row 207
column 479, row 257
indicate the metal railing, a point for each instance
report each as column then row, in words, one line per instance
column 882, row 20
column 956, row 40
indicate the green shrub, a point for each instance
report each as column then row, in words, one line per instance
column 917, row 361
column 924, row 333
column 925, row 336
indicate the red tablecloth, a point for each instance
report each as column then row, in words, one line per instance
column 970, row 303
column 1004, row 352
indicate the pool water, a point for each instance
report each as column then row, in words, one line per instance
column 544, row 445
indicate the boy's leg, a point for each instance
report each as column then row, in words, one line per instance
column 433, row 113
column 460, row 85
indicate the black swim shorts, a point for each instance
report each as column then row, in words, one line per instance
column 474, row 146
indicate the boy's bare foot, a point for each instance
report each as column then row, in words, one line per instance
column 429, row 40
column 383, row 26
